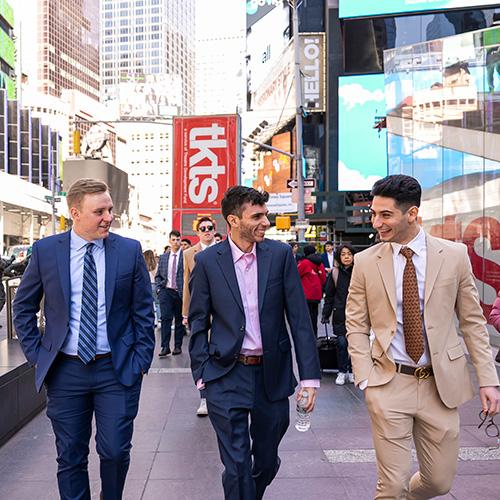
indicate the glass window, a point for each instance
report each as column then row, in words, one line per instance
column 366, row 39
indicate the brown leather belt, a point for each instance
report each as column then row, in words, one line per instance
column 420, row 372
column 96, row 357
column 250, row 360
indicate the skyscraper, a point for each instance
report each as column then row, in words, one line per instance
column 149, row 39
column 220, row 57
column 60, row 45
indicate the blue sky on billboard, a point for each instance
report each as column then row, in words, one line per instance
column 362, row 149
column 254, row 5
column 357, row 8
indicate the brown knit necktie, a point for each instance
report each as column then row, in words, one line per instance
column 412, row 318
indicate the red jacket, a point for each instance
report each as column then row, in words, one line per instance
column 313, row 276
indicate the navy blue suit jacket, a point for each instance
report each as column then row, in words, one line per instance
column 129, row 305
column 162, row 272
column 216, row 305
column 324, row 259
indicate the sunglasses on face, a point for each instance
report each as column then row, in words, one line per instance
column 204, row 229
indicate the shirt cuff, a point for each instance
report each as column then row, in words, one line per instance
column 200, row 384
column 309, row 383
column 363, row 384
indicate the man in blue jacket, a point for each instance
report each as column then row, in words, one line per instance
column 242, row 289
column 98, row 340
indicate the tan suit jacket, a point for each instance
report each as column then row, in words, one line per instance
column 188, row 269
column 450, row 292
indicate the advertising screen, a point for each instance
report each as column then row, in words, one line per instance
column 206, row 161
column 150, row 96
column 367, row 8
column 273, row 175
column 362, row 148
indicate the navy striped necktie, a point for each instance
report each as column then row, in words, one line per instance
column 87, row 338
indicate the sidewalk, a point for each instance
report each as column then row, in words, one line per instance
column 175, row 453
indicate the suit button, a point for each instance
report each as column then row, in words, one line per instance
column 242, row 328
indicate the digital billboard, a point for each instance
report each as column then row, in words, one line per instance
column 362, row 148
column 150, row 96
column 273, row 174
column 367, row 8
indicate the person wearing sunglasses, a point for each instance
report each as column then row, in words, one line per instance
column 205, row 228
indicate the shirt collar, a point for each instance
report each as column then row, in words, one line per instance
column 203, row 246
column 77, row 242
column 417, row 244
column 237, row 253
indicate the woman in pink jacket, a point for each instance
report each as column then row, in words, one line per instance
column 495, row 320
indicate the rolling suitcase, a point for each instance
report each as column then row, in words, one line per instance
column 327, row 351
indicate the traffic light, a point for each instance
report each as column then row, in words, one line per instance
column 62, row 223
column 283, row 222
column 76, row 142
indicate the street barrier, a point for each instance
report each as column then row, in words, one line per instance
column 11, row 286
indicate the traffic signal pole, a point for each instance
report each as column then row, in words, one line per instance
column 298, row 120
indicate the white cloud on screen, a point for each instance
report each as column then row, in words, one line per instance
column 353, row 180
column 355, row 94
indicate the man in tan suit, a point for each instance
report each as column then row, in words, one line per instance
column 205, row 228
column 408, row 290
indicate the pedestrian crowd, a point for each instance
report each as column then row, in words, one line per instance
column 251, row 305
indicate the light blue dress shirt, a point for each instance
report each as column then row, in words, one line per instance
column 76, row 259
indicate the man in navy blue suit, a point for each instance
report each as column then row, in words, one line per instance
column 169, row 281
column 98, row 340
column 241, row 291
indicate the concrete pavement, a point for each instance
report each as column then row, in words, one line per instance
column 175, row 453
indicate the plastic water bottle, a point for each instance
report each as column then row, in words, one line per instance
column 303, row 419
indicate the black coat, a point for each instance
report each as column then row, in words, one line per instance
column 336, row 298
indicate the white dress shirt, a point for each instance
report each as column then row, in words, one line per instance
column 78, row 248
column 170, row 264
column 419, row 247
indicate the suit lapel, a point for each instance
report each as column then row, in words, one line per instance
column 62, row 256
column 263, row 266
column 385, row 266
column 434, row 262
column 111, row 258
column 225, row 261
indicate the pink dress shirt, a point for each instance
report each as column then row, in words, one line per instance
column 245, row 266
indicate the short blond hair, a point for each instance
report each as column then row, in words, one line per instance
column 81, row 187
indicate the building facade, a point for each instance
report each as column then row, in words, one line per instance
column 220, row 57
column 144, row 151
column 7, row 49
column 29, row 174
column 443, row 124
column 59, row 45
column 358, row 35
column 146, row 43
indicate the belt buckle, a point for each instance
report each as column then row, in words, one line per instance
column 422, row 372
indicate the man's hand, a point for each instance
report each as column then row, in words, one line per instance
column 311, row 399
column 490, row 400
column 185, row 321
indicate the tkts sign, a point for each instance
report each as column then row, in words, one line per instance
column 206, row 154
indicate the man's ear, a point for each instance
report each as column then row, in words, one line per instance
column 232, row 220
column 412, row 214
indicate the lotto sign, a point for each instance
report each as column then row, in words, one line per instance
column 206, row 160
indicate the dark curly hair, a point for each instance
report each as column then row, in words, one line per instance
column 405, row 190
column 237, row 196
